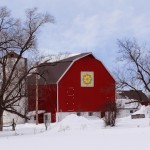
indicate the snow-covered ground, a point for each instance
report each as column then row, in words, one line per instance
column 79, row 133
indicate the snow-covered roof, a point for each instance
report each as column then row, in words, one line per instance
column 132, row 94
column 54, row 58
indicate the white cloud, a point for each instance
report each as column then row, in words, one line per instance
column 89, row 25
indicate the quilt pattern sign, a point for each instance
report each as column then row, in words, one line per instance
column 87, row 79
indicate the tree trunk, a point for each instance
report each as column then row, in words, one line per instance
column 1, row 120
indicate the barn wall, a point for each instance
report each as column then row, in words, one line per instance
column 74, row 98
column 47, row 99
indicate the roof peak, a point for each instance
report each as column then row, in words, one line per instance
column 75, row 57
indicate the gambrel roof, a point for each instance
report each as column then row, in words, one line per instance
column 52, row 72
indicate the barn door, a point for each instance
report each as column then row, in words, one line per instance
column 70, row 99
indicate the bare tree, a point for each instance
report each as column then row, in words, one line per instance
column 134, row 71
column 111, row 111
column 21, row 38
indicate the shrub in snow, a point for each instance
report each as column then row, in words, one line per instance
column 110, row 110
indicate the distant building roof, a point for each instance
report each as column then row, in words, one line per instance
column 134, row 95
column 53, row 71
column 11, row 54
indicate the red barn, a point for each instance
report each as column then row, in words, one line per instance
column 80, row 84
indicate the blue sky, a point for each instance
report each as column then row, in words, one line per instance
column 88, row 25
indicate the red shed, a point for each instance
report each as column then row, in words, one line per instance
column 80, row 84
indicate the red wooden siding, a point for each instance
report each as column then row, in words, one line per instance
column 47, row 99
column 73, row 97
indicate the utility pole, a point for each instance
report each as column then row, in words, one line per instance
column 37, row 100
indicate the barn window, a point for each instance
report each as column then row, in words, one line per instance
column 90, row 113
column 11, row 55
column 131, row 111
column 78, row 113
column 87, row 79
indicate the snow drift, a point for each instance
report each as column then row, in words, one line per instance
column 74, row 122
